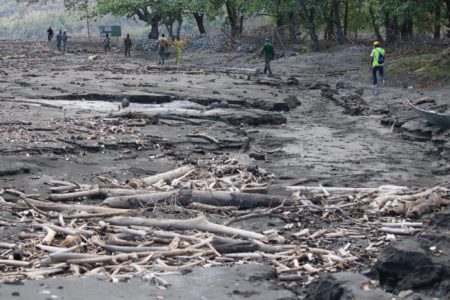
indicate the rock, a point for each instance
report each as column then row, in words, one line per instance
column 125, row 103
column 405, row 265
column 257, row 156
column 292, row 81
column 344, row 285
column 269, row 105
column 340, row 84
column 292, row 102
column 319, row 86
column 15, row 169
column 425, row 100
column 214, row 42
column 406, row 293
column 246, row 48
column 417, row 130
column 352, row 102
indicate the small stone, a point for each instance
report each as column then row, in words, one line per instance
column 406, row 293
column 390, row 237
column 340, row 84
column 16, row 294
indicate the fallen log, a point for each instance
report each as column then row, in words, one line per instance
column 96, row 192
column 221, row 198
column 383, row 188
column 126, row 249
column 230, row 116
column 138, row 201
column 167, row 176
column 70, row 208
column 186, row 197
column 200, row 223
column 14, row 263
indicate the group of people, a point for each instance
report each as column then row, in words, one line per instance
column 61, row 39
column 377, row 55
column 163, row 45
column 127, row 43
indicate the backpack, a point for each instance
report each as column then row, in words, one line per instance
column 380, row 58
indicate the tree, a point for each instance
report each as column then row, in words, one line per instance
column 145, row 10
column 337, row 22
column 308, row 13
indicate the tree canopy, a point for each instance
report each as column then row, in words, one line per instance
column 388, row 20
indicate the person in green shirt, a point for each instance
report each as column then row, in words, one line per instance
column 377, row 63
column 269, row 54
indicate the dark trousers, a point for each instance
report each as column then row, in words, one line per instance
column 267, row 67
column 127, row 51
column 374, row 74
column 162, row 55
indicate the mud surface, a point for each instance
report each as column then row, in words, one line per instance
column 297, row 124
column 240, row 282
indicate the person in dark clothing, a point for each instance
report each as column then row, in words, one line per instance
column 128, row 44
column 107, row 43
column 59, row 38
column 269, row 54
column 64, row 41
column 50, row 34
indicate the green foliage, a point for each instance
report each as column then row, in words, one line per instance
column 309, row 15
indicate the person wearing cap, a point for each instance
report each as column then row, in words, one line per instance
column 377, row 63
column 269, row 54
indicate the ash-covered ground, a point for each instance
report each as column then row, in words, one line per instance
column 315, row 122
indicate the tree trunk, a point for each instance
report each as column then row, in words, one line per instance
column 234, row 17
column 199, row 20
column 392, row 29
column 337, row 22
column 169, row 27
column 144, row 15
column 294, row 25
column 154, row 33
column 88, row 21
column 437, row 22
column 406, row 30
column 447, row 3
column 375, row 26
column 329, row 33
column 179, row 23
column 346, row 19
column 241, row 22
column 309, row 16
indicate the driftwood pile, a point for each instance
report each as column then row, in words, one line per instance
column 217, row 214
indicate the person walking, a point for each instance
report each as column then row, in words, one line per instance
column 269, row 54
column 50, row 34
column 107, row 43
column 59, row 38
column 378, row 56
column 64, row 41
column 128, row 44
column 163, row 45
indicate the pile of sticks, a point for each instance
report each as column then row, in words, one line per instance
column 194, row 216
column 389, row 199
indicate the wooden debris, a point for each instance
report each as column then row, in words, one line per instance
column 124, row 237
